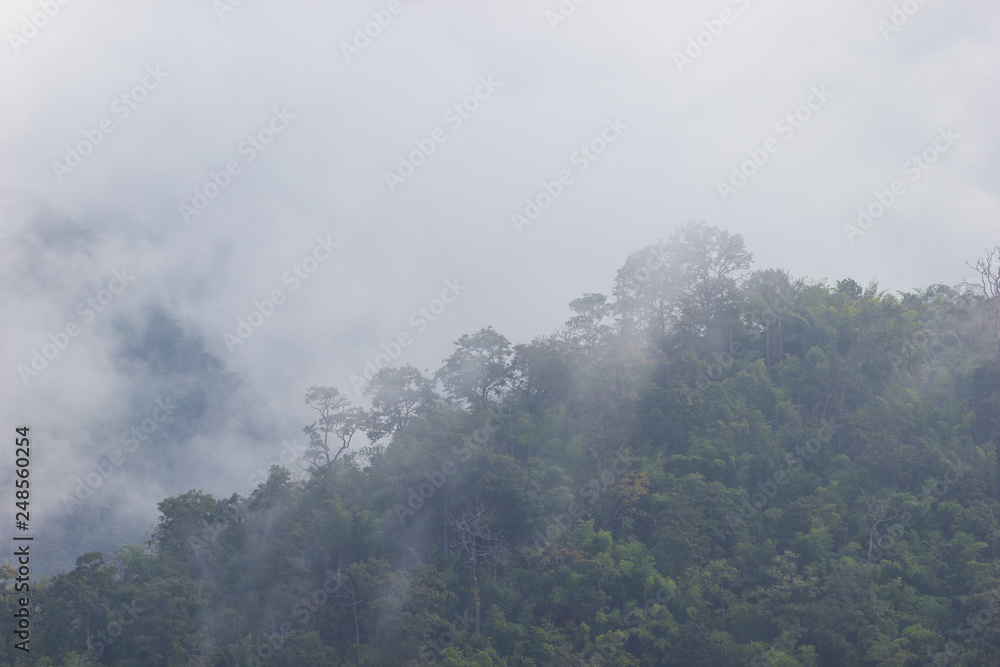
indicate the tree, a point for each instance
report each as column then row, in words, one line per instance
column 188, row 523
column 849, row 287
column 712, row 263
column 986, row 403
column 686, row 284
column 87, row 592
column 398, row 394
column 479, row 368
column 619, row 504
column 988, row 286
column 644, row 293
column 588, row 329
column 336, row 416
column 771, row 291
column 544, row 372
column 717, row 494
column 476, row 544
column 874, row 514
column 347, row 596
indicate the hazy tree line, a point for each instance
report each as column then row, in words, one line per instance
column 711, row 465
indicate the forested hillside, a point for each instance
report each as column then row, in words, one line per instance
column 713, row 464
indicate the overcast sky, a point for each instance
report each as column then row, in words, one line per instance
column 667, row 98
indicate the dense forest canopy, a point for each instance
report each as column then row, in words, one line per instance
column 711, row 465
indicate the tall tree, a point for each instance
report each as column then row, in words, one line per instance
column 480, row 367
column 398, row 395
column 590, row 327
column 347, row 595
column 336, row 417
column 686, row 284
column 87, row 592
column 544, row 371
column 645, row 293
column 475, row 543
column 771, row 291
column 988, row 286
column 986, row 403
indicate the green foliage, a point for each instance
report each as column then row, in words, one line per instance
column 713, row 467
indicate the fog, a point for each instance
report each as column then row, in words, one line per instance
column 193, row 161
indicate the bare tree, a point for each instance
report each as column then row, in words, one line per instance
column 988, row 286
column 476, row 544
column 875, row 513
column 336, row 416
column 346, row 596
